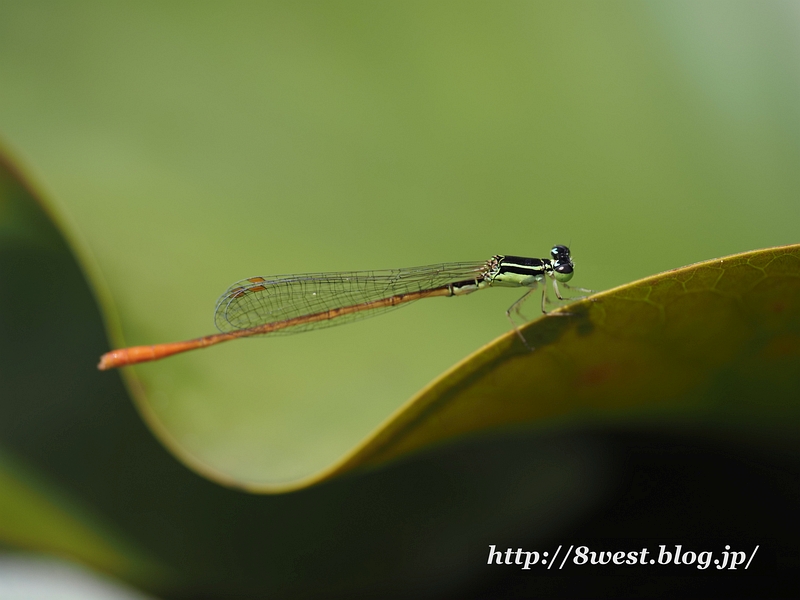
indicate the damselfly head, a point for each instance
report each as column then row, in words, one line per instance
column 563, row 269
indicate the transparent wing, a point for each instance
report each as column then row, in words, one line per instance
column 259, row 300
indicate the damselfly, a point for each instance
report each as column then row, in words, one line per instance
column 287, row 304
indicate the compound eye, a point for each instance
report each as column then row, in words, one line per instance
column 564, row 269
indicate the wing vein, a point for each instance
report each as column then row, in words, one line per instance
column 257, row 301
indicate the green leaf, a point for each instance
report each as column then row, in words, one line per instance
column 328, row 143
column 715, row 344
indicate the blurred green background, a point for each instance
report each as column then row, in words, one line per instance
column 185, row 145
